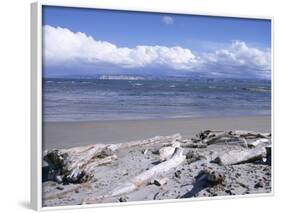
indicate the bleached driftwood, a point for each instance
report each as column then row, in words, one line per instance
column 143, row 178
column 259, row 142
column 71, row 164
column 242, row 156
column 152, row 141
column 88, row 170
column 193, row 156
column 250, row 134
column 208, row 133
column 214, row 136
column 160, row 181
column 224, row 136
column 237, row 136
column 194, row 145
column 147, row 175
column 75, row 165
column 167, row 152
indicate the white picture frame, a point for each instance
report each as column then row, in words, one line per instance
column 36, row 100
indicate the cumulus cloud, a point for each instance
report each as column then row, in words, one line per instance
column 168, row 20
column 64, row 47
column 239, row 57
column 239, row 54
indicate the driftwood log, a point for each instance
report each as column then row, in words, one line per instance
column 167, row 152
column 73, row 165
column 250, row 134
column 224, row 137
column 76, row 165
column 88, row 170
column 242, row 156
column 143, row 178
column 261, row 141
column 152, row 141
column 210, row 137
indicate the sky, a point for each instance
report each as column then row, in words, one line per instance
column 91, row 41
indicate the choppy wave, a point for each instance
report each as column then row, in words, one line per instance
column 73, row 100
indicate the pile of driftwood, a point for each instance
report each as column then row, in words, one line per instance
column 257, row 145
column 77, row 165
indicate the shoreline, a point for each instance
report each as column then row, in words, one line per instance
column 160, row 119
column 78, row 133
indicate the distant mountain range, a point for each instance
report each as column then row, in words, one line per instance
column 153, row 77
column 121, row 77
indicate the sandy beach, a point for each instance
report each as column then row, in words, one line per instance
column 123, row 161
column 71, row 134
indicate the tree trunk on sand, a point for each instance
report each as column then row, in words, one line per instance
column 242, row 156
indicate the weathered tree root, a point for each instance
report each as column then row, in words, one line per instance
column 71, row 165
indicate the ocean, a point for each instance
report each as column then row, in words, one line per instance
column 118, row 99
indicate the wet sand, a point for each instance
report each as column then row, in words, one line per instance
column 71, row 134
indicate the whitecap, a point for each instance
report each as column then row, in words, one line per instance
column 138, row 84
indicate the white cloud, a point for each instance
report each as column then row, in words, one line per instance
column 168, row 20
column 64, row 47
column 238, row 56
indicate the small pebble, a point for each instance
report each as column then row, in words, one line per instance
column 178, row 174
column 122, row 199
column 60, row 188
column 258, row 185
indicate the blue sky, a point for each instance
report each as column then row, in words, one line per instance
column 153, row 42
